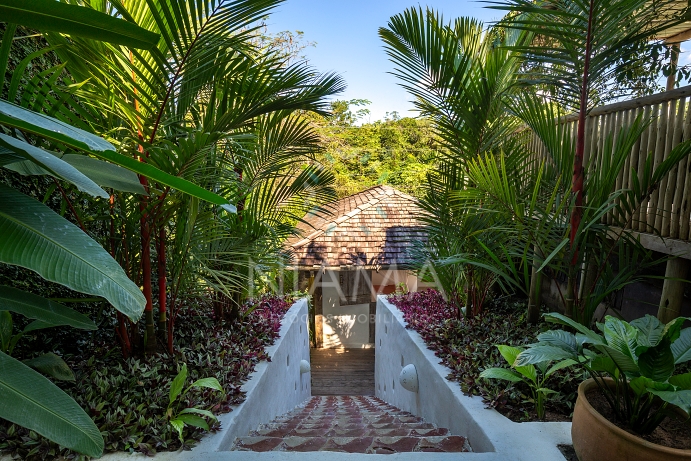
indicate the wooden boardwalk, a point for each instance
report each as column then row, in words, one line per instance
column 342, row 371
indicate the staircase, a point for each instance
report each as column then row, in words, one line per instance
column 351, row 424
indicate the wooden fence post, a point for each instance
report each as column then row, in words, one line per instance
column 678, row 268
column 673, row 290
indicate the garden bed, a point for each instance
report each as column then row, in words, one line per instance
column 467, row 347
column 127, row 399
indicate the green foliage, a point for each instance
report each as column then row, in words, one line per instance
column 639, row 357
column 191, row 416
column 493, row 211
column 467, row 348
column 80, row 21
column 463, row 78
column 528, row 374
column 575, row 43
column 128, row 398
column 42, row 407
column 397, row 151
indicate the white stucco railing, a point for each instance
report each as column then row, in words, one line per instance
column 491, row 435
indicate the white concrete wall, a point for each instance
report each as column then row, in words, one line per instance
column 441, row 401
column 274, row 388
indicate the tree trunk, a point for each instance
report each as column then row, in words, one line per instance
column 535, row 296
column 121, row 329
column 162, row 288
column 150, row 328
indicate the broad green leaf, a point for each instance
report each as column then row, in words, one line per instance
column 623, row 361
column 681, row 381
column 177, row 384
column 650, row 330
column 35, row 307
column 30, row 400
column 681, row 348
column 542, row 353
column 38, row 325
column 51, row 365
column 51, row 128
column 528, row 371
column 593, row 337
column 59, row 132
column 39, row 239
column 681, row 399
column 559, row 338
column 106, row 174
column 560, row 365
column 76, row 20
column 657, row 363
column 206, row 413
column 53, row 165
column 621, row 337
column 673, row 328
column 178, row 426
column 193, row 420
column 8, row 157
column 501, row 373
column 211, row 383
column 509, row 353
column 603, row 363
column 27, row 168
column 642, row 385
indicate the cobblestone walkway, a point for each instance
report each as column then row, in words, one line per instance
column 358, row 424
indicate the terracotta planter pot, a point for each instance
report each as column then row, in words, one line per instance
column 595, row 438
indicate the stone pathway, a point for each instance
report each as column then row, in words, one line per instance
column 351, row 424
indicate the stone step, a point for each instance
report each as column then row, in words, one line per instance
column 350, row 431
column 366, row 444
column 357, row 424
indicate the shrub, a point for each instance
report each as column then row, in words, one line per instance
column 467, row 348
column 127, row 399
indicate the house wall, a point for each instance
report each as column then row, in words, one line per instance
column 345, row 323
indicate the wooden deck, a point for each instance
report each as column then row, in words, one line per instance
column 342, row 371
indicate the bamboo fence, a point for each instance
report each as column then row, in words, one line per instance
column 668, row 210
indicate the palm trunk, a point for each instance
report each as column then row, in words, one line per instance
column 121, row 329
column 162, row 289
column 150, row 330
column 578, row 170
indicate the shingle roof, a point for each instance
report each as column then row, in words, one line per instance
column 373, row 228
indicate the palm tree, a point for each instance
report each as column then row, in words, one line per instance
column 184, row 106
column 579, row 49
column 463, row 78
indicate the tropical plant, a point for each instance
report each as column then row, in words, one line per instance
column 525, row 214
column 68, row 256
column 578, row 49
column 192, row 416
column 45, row 314
column 463, row 78
column 529, row 201
column 208, row 104
column 527, row 374
column 39, row 239
column 640, row 357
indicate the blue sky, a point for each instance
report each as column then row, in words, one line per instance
column 347, row 42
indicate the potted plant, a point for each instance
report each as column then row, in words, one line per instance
column 632, row 365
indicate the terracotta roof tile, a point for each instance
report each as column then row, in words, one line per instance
column 375, row 227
